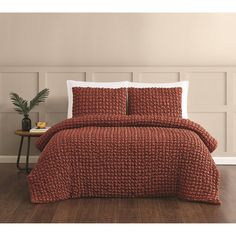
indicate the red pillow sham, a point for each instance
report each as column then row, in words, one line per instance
column 99, row 101
column 161, row 101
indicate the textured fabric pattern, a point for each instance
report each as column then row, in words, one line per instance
column 159, row 101
column 99, row 101
column 125, row 156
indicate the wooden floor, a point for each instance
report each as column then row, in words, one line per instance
column 16, row 207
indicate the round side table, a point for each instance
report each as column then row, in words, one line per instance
column 28, row 135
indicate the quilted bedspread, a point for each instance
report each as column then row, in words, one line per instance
column 125, row 156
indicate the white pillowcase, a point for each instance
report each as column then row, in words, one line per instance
column 182, row 84
column 83, row 84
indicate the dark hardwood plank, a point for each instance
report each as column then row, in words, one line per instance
column 24, row 209
column 108, row 210
column 15, row 205
column 226, row 212
column 190, row 212
column 149, row 210
column 43, row 213
column 168, row 209
column 129, row 211
column 66, row 211
column 87, row 210
column 10, row 196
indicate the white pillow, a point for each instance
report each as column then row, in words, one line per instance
column 182, row 84
column 84, row 84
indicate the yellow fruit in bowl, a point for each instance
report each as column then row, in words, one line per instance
column 41, row 125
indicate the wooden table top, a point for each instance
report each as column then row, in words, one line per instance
column 27, row 133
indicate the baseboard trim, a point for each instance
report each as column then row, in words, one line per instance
column 225, row 160
column 33, row 159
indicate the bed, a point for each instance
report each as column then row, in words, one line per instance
column 126, row 142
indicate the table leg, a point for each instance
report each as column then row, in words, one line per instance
column 19, row 153
column 27, row 156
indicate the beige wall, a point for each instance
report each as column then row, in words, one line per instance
column 198, row 42
column 118, row 39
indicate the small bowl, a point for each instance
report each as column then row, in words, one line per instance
column 41, row 124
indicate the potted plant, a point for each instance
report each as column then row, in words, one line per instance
column 23, row 107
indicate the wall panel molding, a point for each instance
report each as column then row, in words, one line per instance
column 212, row 99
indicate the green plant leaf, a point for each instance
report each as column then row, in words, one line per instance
column 23, row 107
column 40, row 97
column 20, row 103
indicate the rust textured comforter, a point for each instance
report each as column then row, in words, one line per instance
column 125, row 156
